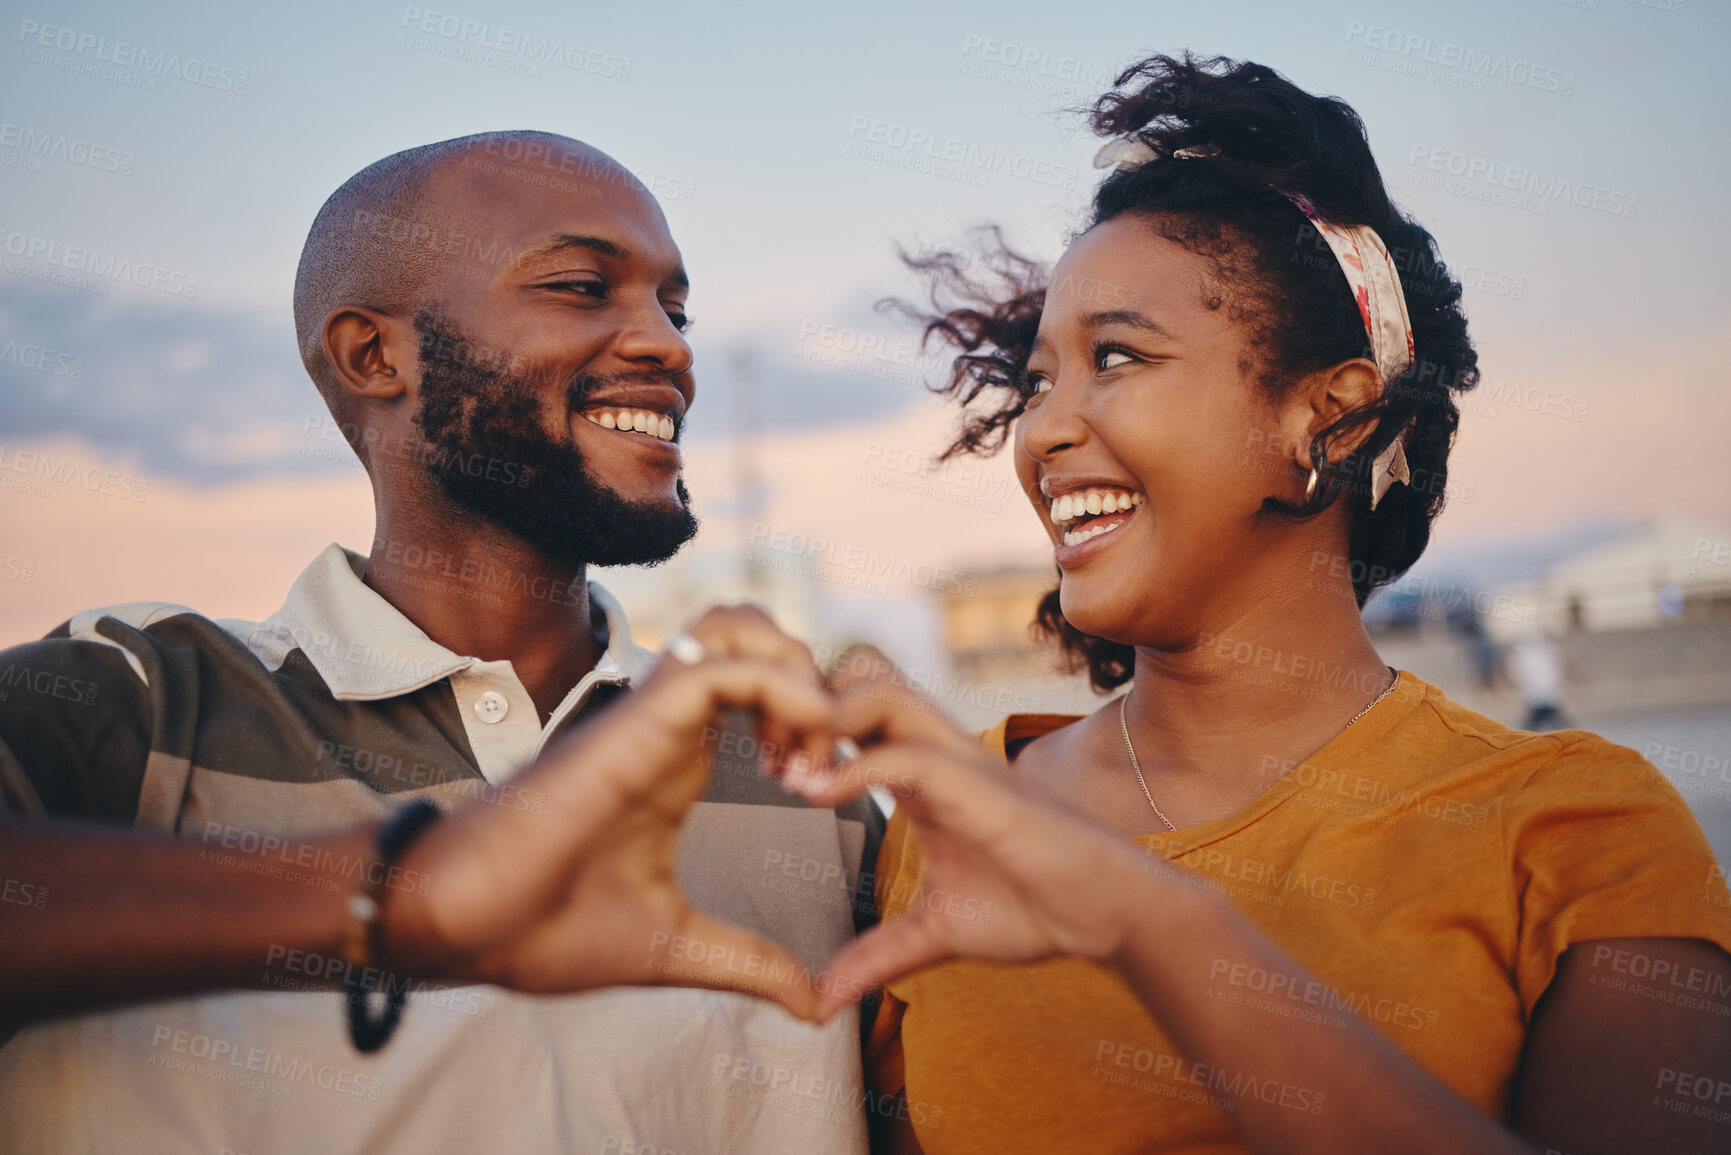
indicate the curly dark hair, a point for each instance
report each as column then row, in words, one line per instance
column 1259, row 137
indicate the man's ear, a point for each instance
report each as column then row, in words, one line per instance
column 1324, row 397
column 370, row 352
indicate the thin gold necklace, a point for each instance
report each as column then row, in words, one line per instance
column 1130, row 747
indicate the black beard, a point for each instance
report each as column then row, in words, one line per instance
column 489, row 452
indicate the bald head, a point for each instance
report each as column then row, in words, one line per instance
column 383, row 240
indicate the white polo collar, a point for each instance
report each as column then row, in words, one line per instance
column 367, row 651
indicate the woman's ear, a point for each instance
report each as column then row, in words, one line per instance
column 1324, row 397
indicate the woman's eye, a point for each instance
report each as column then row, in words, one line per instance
column 1103, row 360
column 1040, row 384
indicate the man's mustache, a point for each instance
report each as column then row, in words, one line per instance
column 585, row 386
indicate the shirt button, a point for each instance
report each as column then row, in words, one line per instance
column 492, row 707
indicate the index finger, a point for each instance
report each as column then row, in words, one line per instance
column 884, row 718
column 743, row 630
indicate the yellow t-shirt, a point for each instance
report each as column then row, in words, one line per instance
column 1427, row 866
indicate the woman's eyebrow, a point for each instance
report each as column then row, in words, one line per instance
column 1128, row 317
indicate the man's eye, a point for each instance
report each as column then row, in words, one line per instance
column 596, row 289
column 680, row 322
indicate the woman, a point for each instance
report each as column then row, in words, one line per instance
column 1341, row 912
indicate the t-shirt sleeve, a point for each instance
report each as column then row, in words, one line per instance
column 896, row 875
column 1603, row 846
column 75, row 730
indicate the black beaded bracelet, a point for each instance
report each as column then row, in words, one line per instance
column 369, row 1033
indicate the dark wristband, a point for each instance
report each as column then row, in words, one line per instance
column 369, row 1033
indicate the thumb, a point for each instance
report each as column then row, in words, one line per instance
column 885, row 952
column 706, row 952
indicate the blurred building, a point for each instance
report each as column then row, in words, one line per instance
column 1666, row 571
column 1639, row 622
column 996, row 655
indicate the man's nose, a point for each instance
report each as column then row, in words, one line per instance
column 651, row 340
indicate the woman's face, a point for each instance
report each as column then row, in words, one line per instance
column 1153, row 443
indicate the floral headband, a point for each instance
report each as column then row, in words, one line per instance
column 1369, row 271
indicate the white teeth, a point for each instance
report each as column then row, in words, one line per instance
column 656, row 425
column 1092, row 502
column 1078, row 536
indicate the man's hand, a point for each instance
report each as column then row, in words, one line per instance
column 583, row 894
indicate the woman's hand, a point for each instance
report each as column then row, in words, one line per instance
column 583, row 893
column 1008, row 876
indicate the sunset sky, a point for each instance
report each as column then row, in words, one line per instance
column 770, row 138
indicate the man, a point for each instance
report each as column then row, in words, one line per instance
column 495, row 324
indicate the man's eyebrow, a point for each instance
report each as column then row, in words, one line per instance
column 1128, row 317
column 566, row 241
